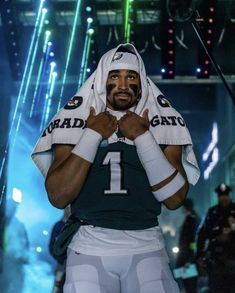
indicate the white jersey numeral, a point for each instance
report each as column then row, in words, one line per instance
column 114, row 159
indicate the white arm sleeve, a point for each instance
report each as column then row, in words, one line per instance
column 156, row 166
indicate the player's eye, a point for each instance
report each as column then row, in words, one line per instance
column 113, row 76
column 132, row 76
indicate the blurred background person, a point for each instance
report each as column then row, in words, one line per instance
column 61, row 260
column 15, row 251
column 187, row 245
column 216, row 243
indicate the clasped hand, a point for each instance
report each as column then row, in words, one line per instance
column 131, row 125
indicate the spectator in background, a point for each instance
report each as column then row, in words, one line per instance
column 15, row 251
column 216, row 243
column 187, row 245
column 61, row 260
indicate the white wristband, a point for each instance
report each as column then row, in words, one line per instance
column 153, row 159
column 87, row 145
column 170, row 188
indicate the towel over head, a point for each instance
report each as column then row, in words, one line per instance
column 166, row 124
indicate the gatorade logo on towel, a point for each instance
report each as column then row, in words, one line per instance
column 74, row 103
column 163, row 101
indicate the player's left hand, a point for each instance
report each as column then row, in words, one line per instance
column 132, row 125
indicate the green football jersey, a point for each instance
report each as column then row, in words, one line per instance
column 117, row 193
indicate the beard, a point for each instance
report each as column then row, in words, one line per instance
column 119, row 104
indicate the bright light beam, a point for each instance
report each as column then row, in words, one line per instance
column 127, row 26
column 69, row 52
column 213, row 143
column 51, row 91
column 22, row 82
column 85, row 55
column 28, row 60
column 44, row 11
column 2, row 193
column 44, row 70
column 45, row 52
column 34, row 54
column 47, row 103
column 90, row 33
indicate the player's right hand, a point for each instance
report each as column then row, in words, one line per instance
column 104, row 123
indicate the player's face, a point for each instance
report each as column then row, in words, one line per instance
column 123, row 89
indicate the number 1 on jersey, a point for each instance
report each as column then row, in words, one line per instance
column 114, row 160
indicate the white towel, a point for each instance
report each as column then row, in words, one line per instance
column 167, row 125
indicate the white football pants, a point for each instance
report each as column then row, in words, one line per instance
column 139, row 273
